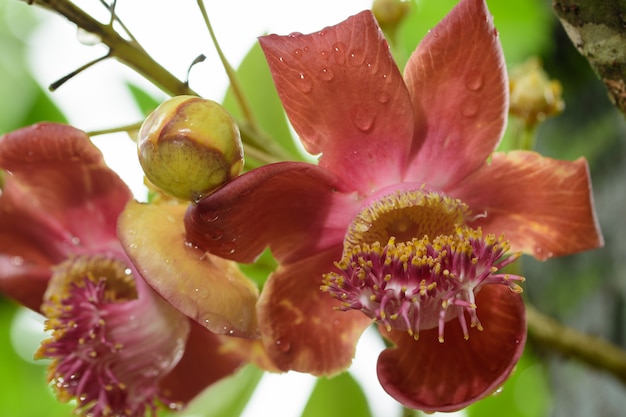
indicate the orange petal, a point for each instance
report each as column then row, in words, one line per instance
column 209, row 289
column 299, row 327
column 543, row 206
column 432, row 376
column 458, row 85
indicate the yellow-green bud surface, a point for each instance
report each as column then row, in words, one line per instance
column 189, row 146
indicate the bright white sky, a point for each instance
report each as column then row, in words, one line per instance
column 174, row 33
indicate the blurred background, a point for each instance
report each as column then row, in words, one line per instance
column 586, row 291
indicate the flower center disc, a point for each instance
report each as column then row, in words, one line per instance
column 405, row 215
column 411, row 263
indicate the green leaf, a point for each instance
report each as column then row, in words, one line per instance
column 258, row 87
column 532, row 18
column 145, row 102
column 23, row 387
column 340, row 396
column 260, row 270
column 525, row 394
column 227, row 398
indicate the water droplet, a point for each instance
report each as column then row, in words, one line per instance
column 436, row 34
column 327, row 74
column 470, row 109
column 498, row 391
column 383, row 97
column 357, row 57
column 363, row 119
column 214, row 234
column 297, row 53
column 17, row 260
column 209, row 215
column 474, row 81
column 88, row 38
column 295, row 34
column 75, row 241
column 325, row 55
column 321, row 33
column 283, row 346
column 303, row 83
column 282, row 62
column 339, row 52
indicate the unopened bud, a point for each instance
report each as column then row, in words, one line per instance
column 534, row 97
column 390, row 13
column 189, row 146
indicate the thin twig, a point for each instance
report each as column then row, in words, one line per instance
column 549, row 333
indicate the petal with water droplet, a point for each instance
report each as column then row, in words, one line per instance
column 349, row 69
column 211, row 290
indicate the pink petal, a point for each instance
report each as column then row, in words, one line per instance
column 543, row 206
column 203, row 363
column 59, row 178
column 458, row 84
column 299, row 327
column 294, row 208
column 59, row 198
column 345, row 97
column 206, row 288
column 432, row 376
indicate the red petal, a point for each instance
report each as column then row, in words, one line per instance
column 345, row 97
column 59, row 198
column 543, row 206
column 432, row 376
column 203, row 364
column 295, row 208
column 458, row 85
column 299, row 327
column 209, row 289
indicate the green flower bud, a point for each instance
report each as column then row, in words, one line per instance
column 189, row 146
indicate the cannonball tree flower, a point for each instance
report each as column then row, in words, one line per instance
column 116, row 346
column 409, row 215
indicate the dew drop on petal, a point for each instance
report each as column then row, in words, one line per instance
column 297, row 53
column 304, row 83
column 356, row 57
column 327, row 74
column 363, row 119
column 383, row 97
column 214, row 234
column 339, row 52
column 470, row 109
column 283, row 346
column 474, row 81
column 209, row 216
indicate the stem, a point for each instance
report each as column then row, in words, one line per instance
column 591, row 350
column 127, row 52
column 256, row 136
column 230, row 72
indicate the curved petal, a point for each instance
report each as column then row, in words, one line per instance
column 543, row 206
column 59, row 178
column 345, row 97
column 432, row 376
column 203, row 363
column 299, row 327
column 458, row 84
column 58, row 198
column 206, row 288
column 294, row 208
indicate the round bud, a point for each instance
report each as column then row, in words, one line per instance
column 189, row 146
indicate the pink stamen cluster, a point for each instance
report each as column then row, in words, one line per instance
column 109, row 352
column 421, row 284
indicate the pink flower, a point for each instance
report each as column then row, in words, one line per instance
column 117, row 347
column 401, row 222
